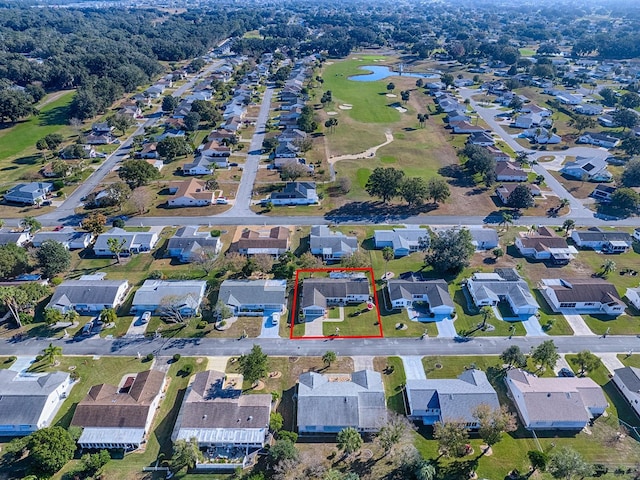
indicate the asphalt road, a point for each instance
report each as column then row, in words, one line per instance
column 349, row 347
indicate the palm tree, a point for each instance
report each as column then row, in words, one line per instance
column 568, row 225
column 51, row 353
column 507, row 219
column 564, row 202
column 328, row 358
column 487, row 313
column 349, row 441
column 388, row 255
column 608, row 267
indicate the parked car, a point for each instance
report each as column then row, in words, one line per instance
column 222, row 201
column 275, row 318
column 565, row 372
column 146, row 316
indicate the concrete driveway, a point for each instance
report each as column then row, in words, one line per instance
column 413, row 368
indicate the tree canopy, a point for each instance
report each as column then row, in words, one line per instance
column 137, row 173
column 451, row 250
column 254, row 365
column 53, row 258
column 384, row 183
column 50, row 449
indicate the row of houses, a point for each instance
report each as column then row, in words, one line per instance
column 229, row 424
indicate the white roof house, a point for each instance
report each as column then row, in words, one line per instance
column 29, row 402
column 134, row 242
column 254, row 297
column 183, row 295
column 488, row 289
column 403, row 240
column 69, row 238
column 331, row 245
column 88, row 295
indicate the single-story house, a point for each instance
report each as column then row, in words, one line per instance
column 271, row 241
column 219, row 415
column 89, row 295
column 532, row 120
column 497, row 154
column 607, row 120
column 319, row 293
column 489, row 289
column 589, row 109
column 149, row 150
column 599, row 139
column 99, row 139
column 482, row 139
column 403, row 240
column 29, row 193
column 602, row 193
column 627, row 380
column 29, row 403
column 465, row 127
column 191, row 193
column 101, row 128
column 504, row 191
column 119, row 416
column 200, row 166
column 633, row 295
column 221, row 134
column 330, row 403
column 296, row 193
column 608, row 241
column 215, row 149
column 158, row 296
column 331, row 246
column 542, row 136
column 509, row 172
column 582, row 295
column 556, row 403
column 544, row 244
column 248, row 298
column 18, row 237
column 569, row 99
column 450, row 399
column 403, row 293
column 188, row 243
column 134, row 242
column 484, row 238
column 69, row 238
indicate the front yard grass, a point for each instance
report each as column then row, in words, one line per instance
column 622, row 325
column 6, row 362
column 354, row 323
column 394, row 379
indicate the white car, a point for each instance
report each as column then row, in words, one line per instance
column 275, row 318
column 222, row 201
column 146, row 316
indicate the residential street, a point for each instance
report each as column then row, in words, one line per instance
column 286, row 347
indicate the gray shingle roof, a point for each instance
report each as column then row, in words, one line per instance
column 322, row 238
column 336, row 400
column 315, row 291
column 181, row 292
column 22, row 400
column 252, row 292
column 598, row 235
column 436, row 291
column 517, row 290
column 93, row 292
column 187, row 239
column 456, row 398
column 630, row 377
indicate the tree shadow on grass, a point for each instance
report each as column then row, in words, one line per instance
column 377, row 211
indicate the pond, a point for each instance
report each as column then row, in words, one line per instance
column 380, row 72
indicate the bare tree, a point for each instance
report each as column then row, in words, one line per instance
column 262, row 262
column 233, row 262
column 170, row 308
column 293, row 170
column 140, row 200
column 205, row 259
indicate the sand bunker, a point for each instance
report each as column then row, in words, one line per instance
column 345, row 107
column 332, row 113
column 392, row 95
column 401, row 109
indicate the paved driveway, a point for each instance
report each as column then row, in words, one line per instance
column 446, row 328
column 578, row 325
column 413, row 368
column 269, row 330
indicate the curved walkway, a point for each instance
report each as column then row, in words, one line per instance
column 366, row 154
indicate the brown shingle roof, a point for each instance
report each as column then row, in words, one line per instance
column 276, row 237
column 543, row 240
column 105, row 407
column 194, row 189
column 586, row 290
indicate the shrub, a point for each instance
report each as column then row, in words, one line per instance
column 222, row 323
column 56, row 281
column 157, row 275
column 202, row 324
column 118, row 223
column 58, row 184
column 285, row 435
column 59, row 193
column 149, row 357
column 215, row 233
column 176, row 357
column 186, row 370
column 10, row 359
column 74, row 375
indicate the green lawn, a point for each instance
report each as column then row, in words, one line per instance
column 527, row 52
column 630, row 361
column 622, row 325
column 370, row 104
column 394, row 378
column 20, row 139
column 365, row 323
column 6, row 362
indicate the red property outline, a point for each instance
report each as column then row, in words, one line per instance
column 372, row 281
